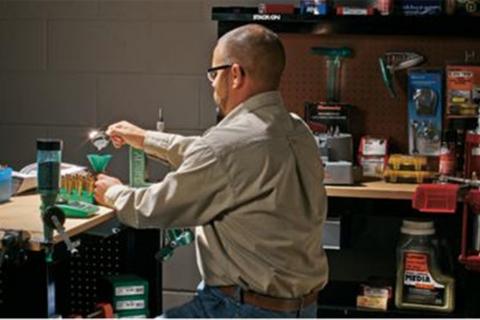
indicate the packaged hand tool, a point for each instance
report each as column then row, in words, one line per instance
column 425, row 107
column 391, row 62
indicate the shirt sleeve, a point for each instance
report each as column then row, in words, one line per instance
column 193, row 195
column 167, row 146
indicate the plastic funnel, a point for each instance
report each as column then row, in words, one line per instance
column 99, row 162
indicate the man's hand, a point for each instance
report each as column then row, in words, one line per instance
column 124, row 132
column 101, row 186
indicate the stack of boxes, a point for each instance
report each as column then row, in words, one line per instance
column 374, row 296
column 129, row 296
column 463, row 90
column 372, row 156
column 419, row 7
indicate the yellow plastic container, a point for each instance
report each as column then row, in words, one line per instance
column 407, row 162
column 398, row 176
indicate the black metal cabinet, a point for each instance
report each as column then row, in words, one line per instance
column 370, row 233
column 23, row 289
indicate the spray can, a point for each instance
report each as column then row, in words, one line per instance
column 446, row 164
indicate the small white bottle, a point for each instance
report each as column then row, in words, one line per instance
column 160, row 122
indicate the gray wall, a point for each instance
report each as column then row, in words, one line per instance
column 69, row 66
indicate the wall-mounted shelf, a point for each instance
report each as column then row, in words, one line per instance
column 374, row 190
column 461, row 26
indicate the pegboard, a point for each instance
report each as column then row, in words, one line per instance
column 97, row 258
column 78, row 278
column 361, row 81
column 127, row 252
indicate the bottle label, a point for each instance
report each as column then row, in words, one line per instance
column 137, row 168
column 130, row 304
column 129, row 291
column 446, row 164
column 418, row 284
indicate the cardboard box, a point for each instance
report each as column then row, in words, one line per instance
column 420, row 7
column 369, row 302
column 276, row 8
column 463, row 89
column 328, row 117
column 130, row 303
column 373, row 166
column 128, row 285
column 126, row 292
column 315, row 7
column 132, row 314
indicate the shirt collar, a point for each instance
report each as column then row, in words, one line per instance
column 253, row 103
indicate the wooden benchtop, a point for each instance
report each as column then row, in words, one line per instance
column 23, row 213
column 374, row 190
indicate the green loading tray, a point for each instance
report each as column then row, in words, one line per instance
column 78, row 209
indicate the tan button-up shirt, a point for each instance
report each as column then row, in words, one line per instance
column 252, row 186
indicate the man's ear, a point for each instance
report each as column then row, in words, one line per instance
column 238, row 76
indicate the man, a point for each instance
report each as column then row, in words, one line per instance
column 252, row 186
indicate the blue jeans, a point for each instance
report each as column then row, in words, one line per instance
column 210, row 302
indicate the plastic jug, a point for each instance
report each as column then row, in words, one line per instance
column 420, row 282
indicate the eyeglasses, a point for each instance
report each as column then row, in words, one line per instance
column 212, row 73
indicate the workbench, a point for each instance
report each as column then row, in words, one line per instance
column 69, row 284
column 23, row 213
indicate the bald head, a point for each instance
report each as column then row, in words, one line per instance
column 258, row 50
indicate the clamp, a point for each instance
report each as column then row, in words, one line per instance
column 13, row 245
column 174, row 238
column 54, row 218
